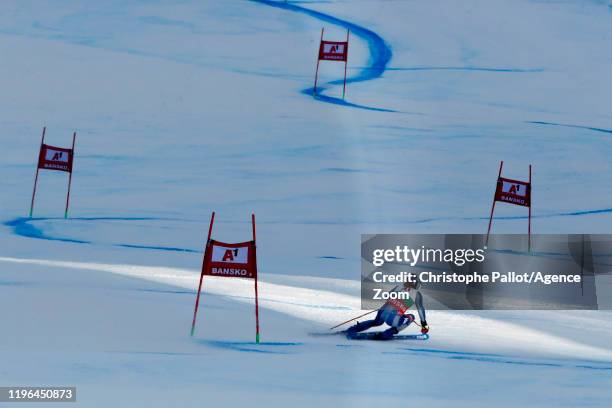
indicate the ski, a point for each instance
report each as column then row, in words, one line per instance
column 374, row 336
column 420, row 336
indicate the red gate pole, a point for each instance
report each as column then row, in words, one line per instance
column 70, row 176
column 501, row 164
column 256, row 294
column 314, row 90
column 195, row 310
column 529, row 219
column 37, row 169
column 345, row 63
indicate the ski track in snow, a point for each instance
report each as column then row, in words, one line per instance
column 23, row 226
column 380, row 54
column 468, row 68
column 594, row 129
column 326, row 307
column 492, row 358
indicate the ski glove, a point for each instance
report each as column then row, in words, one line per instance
column 424, row 327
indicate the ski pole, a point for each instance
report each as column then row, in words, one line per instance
column 354, row 318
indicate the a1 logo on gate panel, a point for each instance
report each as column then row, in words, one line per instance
column 230, row 255
column 56, row 155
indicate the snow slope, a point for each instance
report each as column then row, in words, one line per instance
column 186, row 107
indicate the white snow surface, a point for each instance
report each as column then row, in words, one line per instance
column 184, row 108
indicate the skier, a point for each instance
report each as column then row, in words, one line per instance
column 394, row 314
